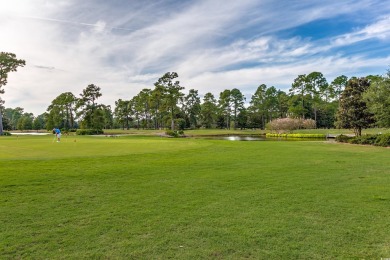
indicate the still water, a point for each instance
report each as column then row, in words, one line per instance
column 256, row 138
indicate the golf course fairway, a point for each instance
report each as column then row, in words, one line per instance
column 134, row 197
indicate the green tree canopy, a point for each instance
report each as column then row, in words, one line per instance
column 301, row 87
column 319, row 88
column 353, row 112
column 191, row 107
column 8, row 63
column 378, row 99
column 208, row 110
column 237, row 100
column 39, row 122
column 338, row 85
column 61, row 112
column 123, row 112
column 173, row 94
column 225, row 106
column 91, row 114
column 257, row 104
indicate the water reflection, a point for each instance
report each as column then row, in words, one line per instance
column 244, row 138
column 256, row 138
column 233, row 138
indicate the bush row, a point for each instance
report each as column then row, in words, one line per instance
column 89, row 132
column 174, row 133
column 281, row 125
column 296, row 135
column 71, row 130
column 378, row 139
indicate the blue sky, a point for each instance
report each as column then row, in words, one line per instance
column 125, row 46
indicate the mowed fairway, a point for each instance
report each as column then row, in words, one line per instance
column 160, row 198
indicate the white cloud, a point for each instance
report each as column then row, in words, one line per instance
column 213, row 45
column 100, row 26
column 379, row 30
column 282, row 76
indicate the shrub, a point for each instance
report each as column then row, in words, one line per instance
column 364, row 139
column 180, row 123
column 289, row 124
column 353, row 140
column 174, row 133
column 378, row 140
column 89, row 132
column 7, row 134
column 70, row 130
column 382, row 140
column 343, row 138
column 171, row 133
column 307, row 123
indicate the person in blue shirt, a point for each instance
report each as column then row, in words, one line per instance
column 58, row 133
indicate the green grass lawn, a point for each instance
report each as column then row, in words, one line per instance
column 158, row 198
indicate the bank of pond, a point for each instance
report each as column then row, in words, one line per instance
column 367, row 139
column 266, row 137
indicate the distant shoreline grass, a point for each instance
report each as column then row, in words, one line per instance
column 297, row 135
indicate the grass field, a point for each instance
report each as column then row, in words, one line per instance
column 157, row 198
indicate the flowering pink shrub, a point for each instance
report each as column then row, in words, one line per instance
column 282, row 125
column 308, row 124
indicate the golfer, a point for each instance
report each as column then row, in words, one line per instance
column 58, row 133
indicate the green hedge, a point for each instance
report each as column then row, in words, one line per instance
column 7, row 134
column 383, row 140
column 296, row 135
column 377, row 140
column 343, row 138
column 89, row 132
column 71, row 130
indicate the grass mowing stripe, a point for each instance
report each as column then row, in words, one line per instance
column 216, row 199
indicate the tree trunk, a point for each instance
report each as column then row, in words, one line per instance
column 235, row 119
column 67, row 118
column 172, row 120
column 262, row 121
column 227, row 122
column 172, row 125
column 1, row 123
column 71, row 118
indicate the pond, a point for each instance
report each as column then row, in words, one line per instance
column 28, row 133
column 233, row 137
column 255, row 138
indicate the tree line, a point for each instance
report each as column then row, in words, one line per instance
column 347, row 103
